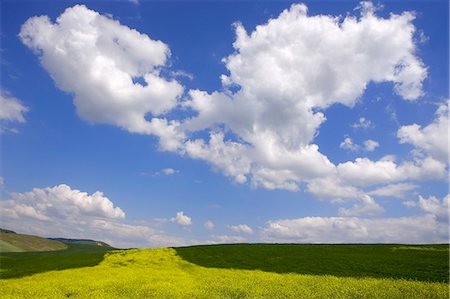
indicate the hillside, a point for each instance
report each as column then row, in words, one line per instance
column 13, row 242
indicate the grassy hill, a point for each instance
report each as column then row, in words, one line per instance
column 13, row 242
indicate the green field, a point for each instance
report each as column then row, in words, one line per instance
column 425, row 263
column 19, row 264
column 232, row 271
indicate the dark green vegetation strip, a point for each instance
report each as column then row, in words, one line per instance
column 424, row 263
column 19, row 264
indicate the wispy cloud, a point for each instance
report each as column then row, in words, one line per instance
column 363, row 123
column 241, row 228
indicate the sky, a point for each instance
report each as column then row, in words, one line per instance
column 152, row 123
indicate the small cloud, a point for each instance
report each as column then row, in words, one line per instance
column 164, row 171
column 348, row 144
column 241, row 228
column 5, row 129
column 11, row 110
column 390, row 110
column 363, row 123
column 135, row 2
column 209, row 225
column 370, row 145
column 182, row 219
column 422, row 37
column 169, row 171
column 368, row 7
column 183, row 74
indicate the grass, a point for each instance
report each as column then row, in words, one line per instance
column 7, row 247
column 19, row 264
column 424, row 263
column 12, row 242
column 161, row 273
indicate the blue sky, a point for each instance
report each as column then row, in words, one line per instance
column 328, row 123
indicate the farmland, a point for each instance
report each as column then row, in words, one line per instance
column 19, row 264
column 242, row 271
column 425, row 263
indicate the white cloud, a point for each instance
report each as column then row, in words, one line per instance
column 370, row 145
column 62, row 202
column 432, row 206
column 363, row 123
column 333, row 188
column 348, row 144
column 435, row 207
column 168, row 171
column 432, row 139
column 96, row 59
column 229, row 157
column 209, row 225
column 418, row 229
column 61, row 211
column 367, row 206
column 183, row 74
column 395, row 190
column 182, row 219
column 11, row 109
column 287, row 72
column 364, row 172
column 241, row 228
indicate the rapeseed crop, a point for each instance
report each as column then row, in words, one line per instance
column 161, row 273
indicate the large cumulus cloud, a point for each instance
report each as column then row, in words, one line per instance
column 262, row 124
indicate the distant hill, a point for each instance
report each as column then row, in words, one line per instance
column 81, row 241
column 13, row 242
